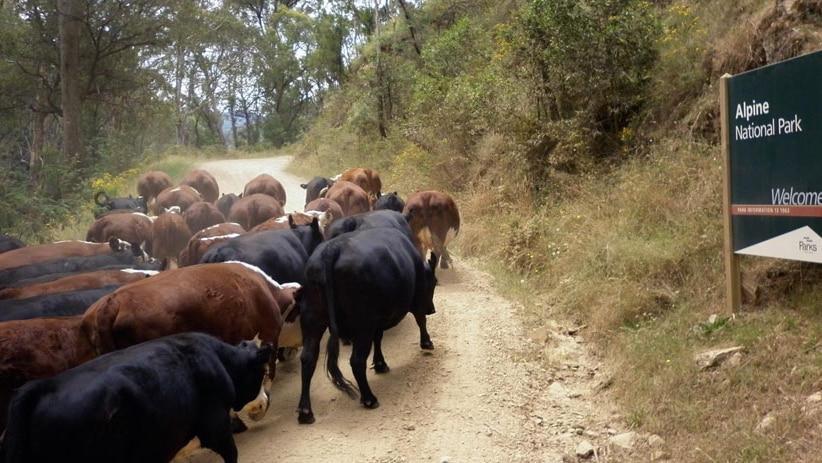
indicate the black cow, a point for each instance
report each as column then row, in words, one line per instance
column 140, row 404
column 154, row 265
column 370, row 219
column 7, row 243
column 131, row 256
column 281, row 254
column 358, row 285
column 61, row 304
column 314, row 187
column 138, row 204
column 225, row 202
column 390, row 201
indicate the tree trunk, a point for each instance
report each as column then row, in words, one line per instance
column 69, row 29
column 411, row 29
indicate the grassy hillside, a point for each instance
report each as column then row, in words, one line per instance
column 606, row 216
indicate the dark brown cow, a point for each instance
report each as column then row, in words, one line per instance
column 181, row 196
column 232, row 301
column 367, row 179
column 150, row 184
column 267, row 185
column 202, row 214
column 250, row 211
column 435, row 221
column 49, row 251
column 169, row 236
column 325, row 205
column 205, row 238
column 350, row 196
column 34, row 349
column 85, row 280
column 315, row 187
column 202, row 181
column 133, row 227
column 225, row 202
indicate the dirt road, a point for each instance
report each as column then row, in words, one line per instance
column 484, row 394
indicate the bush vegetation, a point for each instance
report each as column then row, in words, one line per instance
column 581, row 140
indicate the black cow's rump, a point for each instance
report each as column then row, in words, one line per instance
column 358, row 285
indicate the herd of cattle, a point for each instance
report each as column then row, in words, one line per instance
column 172, row 315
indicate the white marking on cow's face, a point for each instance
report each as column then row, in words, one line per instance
column 258, row 407
column 291, row 334
column 146, row 272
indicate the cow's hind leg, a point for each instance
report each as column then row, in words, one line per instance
column 308, row 363
column 359, row 357
column 379, row 360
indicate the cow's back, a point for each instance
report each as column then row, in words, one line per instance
column 42, row 252
column 229, row 301
column 350, row 196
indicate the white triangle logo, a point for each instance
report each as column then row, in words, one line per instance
column 801, row 244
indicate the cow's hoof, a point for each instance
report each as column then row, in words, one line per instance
column 427, row 345
column 285, row 354
column 381, row 367
column 305, row 417
column 237, row 425
column 372, row 404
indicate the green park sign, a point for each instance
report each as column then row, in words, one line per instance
column 772, row 142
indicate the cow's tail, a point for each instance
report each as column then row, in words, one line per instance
column 96, row 331
column 97, row 198
column 16, row 445
column 332, row 350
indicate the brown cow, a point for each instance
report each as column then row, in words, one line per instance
column 205, row 238
column 85, row 280
column 325, row 205
column 202, row 214
column 367, row 179
column 267, row 185
column 435, row 221
column 169, row 236
column 250, row 211
column 350, row 196
column 133, row 227
column 202, row 181
column 295, row 219
column 150, row 184
column 231, row 300
column 181, row 196
column 34, row 349
column 57, row 250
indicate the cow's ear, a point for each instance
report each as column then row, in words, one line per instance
column 115, row 244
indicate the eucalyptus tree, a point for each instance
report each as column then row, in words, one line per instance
column 84, row 59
